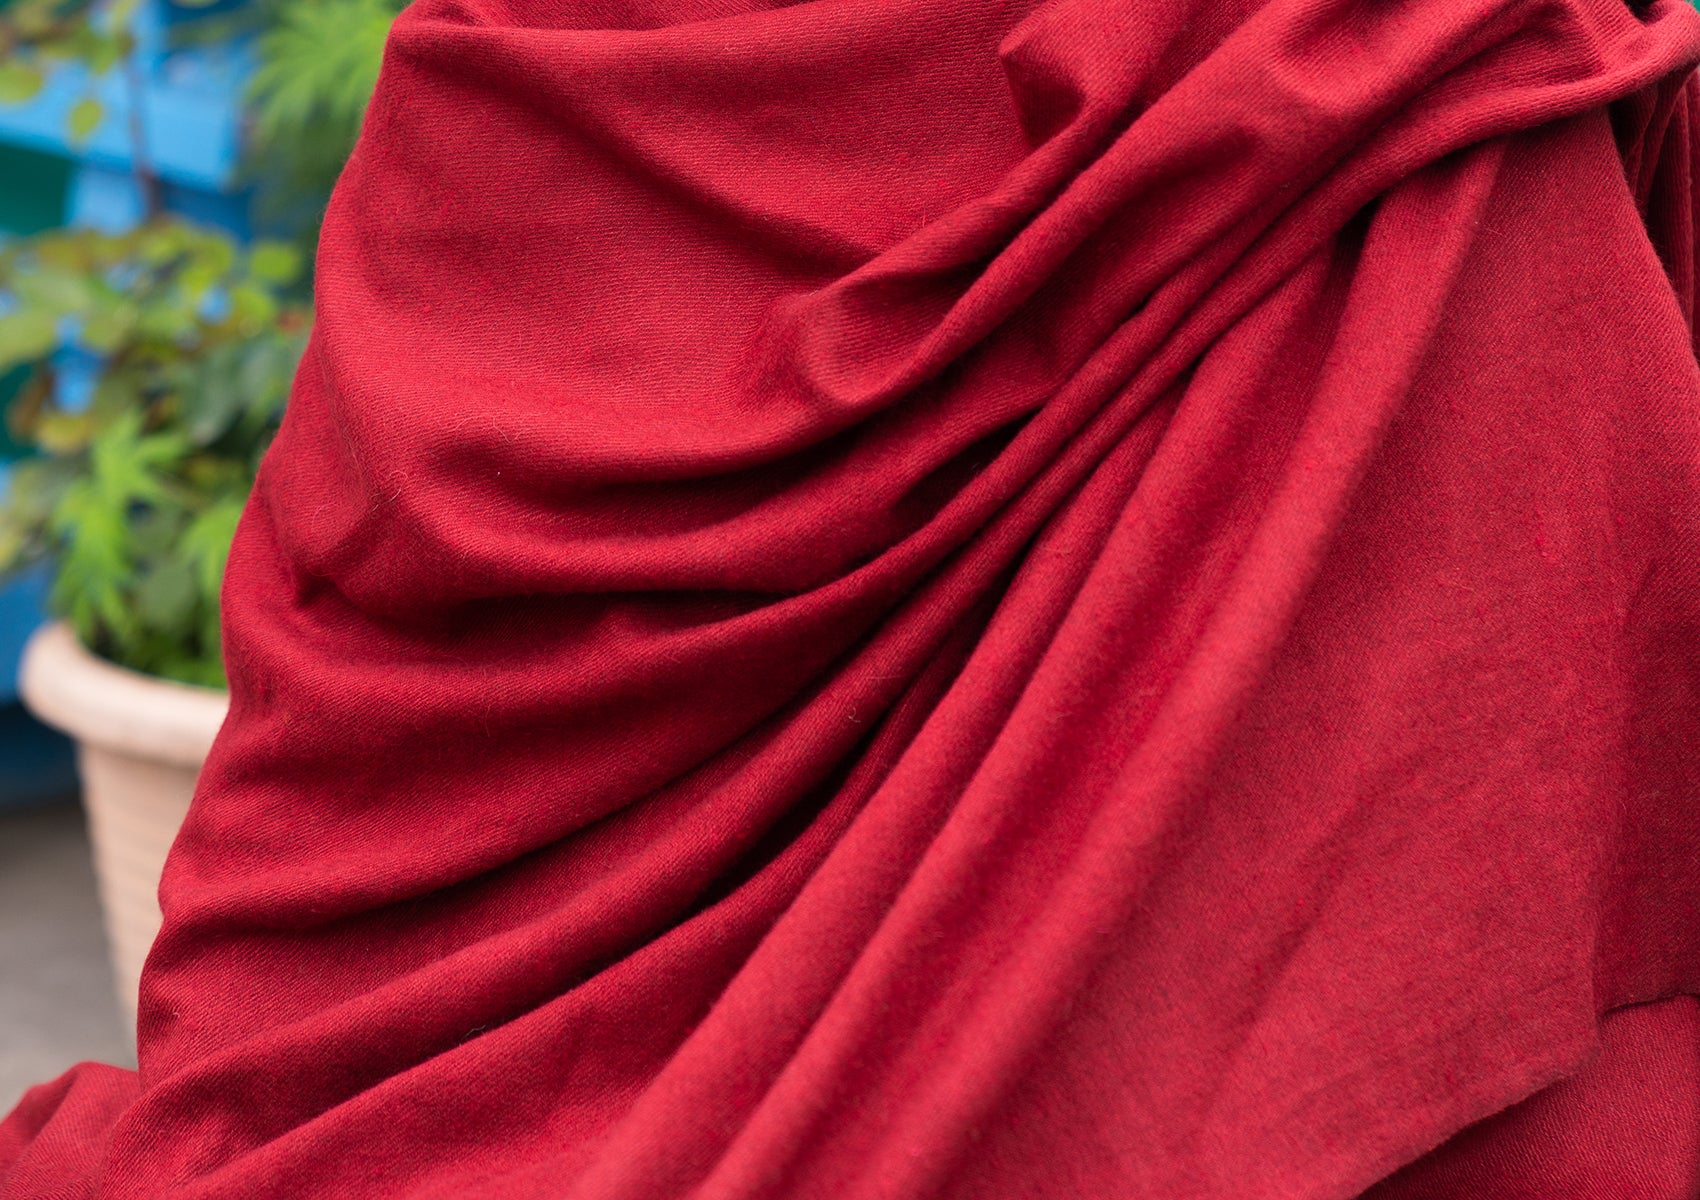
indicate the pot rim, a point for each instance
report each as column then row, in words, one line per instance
column 113, row 707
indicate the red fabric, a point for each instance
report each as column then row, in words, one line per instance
column 1627, row 1125
column 961, row 598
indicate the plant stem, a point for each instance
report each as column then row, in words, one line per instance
column 141, row 164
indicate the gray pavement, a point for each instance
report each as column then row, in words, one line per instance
column 56, row 995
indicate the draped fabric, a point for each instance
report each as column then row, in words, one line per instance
column 881, row 599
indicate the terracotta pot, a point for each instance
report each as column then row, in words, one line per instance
column 140, row 745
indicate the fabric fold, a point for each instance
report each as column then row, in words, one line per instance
column 958, row 599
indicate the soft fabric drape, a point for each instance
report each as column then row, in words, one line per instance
column 892, row 599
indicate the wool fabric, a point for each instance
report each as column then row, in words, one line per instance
column 960, row 599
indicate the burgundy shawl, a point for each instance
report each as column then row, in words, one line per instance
column 892, row 599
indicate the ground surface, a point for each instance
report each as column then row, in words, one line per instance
column 56, row 995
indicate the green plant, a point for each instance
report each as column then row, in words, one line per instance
column 35, row 34
column 318, row 64
column 134, row 497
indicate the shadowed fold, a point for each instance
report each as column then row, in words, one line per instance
column 960, row 599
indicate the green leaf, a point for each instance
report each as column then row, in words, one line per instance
column 26, row 336
column 167, row 319
column 212, row 398
column 36, row 488
column 55, row 289
column 166, row 597
column 103, row 53
column 124, row 466
column 210, row 260
column 275, row 262
column 63, row 433
column 33, row 20
column 213, row 249
column 108, row 326
column 160, row 243
column 97, row 49
column 156, row 532
column 80, row 250
column 118, row 390
column 94, row 567
column 136, row 499
column 86, row 116
column 14, row 543
column 251, row 307
column 267, row 371
column 318, row 64
column 202, row 672
column 206, row 543
column 19, row 81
